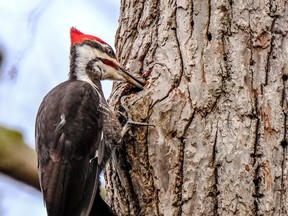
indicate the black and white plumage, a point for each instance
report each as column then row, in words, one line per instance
column 76, row 131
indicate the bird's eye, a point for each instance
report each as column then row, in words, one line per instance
column 110, row 52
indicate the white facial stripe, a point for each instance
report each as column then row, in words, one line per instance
column 85, row 54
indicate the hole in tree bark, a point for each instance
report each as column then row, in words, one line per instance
column 209, row 36
column 285, row 77
column 284, row 143
column 173, row 134
column 252, row 62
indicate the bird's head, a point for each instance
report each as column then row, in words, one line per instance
column 92, row 60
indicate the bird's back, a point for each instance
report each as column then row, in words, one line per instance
column 68, row 132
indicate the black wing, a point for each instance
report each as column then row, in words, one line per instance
column 68, row 132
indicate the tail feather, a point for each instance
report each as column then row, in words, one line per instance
column 100, row 207
column 90, row 190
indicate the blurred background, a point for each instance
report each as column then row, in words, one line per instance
column 34, row 56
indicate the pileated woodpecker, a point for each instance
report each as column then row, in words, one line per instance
column 76, row 131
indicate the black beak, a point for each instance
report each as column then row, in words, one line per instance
column 129, row 78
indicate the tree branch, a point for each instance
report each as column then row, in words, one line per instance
column 17, row 159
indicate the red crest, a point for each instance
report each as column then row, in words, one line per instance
column 78, row 37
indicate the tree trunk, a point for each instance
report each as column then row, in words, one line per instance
column 217, row 95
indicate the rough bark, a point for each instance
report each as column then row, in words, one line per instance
column 218, row 97
column 17, row 159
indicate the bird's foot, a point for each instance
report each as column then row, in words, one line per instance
column 128, row 124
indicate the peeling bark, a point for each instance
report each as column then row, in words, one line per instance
column 218, row 98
